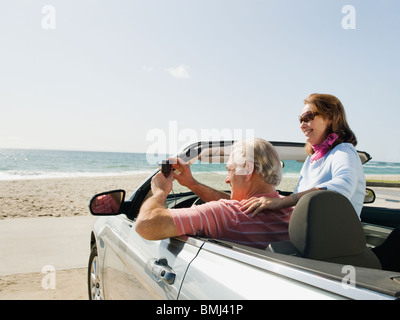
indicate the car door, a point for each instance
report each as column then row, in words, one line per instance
column 135, row 268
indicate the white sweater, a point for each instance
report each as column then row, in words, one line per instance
column 339, row 170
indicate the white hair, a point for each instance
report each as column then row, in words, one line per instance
column 259, row 156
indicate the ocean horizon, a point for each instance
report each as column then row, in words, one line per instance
column 21, row 164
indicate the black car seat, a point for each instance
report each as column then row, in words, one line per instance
column 389, row 251
column 324, row 226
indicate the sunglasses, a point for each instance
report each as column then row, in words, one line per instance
column 307, row 116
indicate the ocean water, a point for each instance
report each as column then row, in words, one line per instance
column 17, row 164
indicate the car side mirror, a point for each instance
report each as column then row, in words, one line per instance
column 107, row 203
column 369, row 196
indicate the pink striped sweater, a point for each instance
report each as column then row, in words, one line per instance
column 225, row 220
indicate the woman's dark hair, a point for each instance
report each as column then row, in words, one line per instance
column 330, row 107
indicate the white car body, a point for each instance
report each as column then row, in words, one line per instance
column 123, row 265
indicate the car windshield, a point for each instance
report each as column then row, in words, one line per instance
column 212, row 175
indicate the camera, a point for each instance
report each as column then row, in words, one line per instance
column 165, row 166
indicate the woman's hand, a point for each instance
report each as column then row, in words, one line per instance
column 254, row 206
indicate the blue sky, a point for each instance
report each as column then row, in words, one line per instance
column 107, row 74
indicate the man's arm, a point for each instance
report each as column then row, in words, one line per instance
column 185, row 178
column 154, row 221
column 207, row 193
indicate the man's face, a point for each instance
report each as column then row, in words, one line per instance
column 236, row 181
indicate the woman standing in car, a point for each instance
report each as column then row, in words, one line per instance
column 332, row 162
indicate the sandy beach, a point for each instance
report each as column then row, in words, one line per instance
column 71, row 285
column 383, row 177
column 68, row 197
column 61, row 197
column 47, row 198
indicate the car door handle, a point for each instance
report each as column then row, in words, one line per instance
column 162, row 271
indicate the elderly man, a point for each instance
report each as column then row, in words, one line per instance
column 254, row 170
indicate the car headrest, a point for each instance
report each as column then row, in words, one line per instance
column 325, row 225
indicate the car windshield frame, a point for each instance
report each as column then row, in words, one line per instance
column 217, row 152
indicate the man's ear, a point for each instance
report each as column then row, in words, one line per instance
column 249, row 169
column 245, row 170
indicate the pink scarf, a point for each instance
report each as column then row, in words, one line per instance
column 321, row 149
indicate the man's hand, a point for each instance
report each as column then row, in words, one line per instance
column 182, row 173
column 154, row 221
column 162, row 184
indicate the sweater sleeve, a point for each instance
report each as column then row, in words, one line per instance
column 201, row 219
column 344, row 164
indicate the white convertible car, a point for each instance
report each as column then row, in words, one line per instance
column 329, row 255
